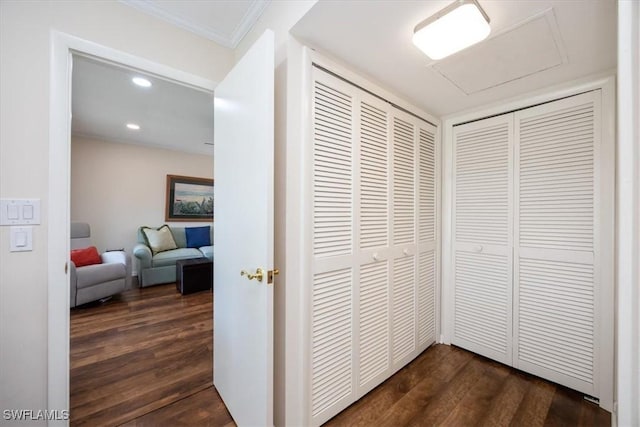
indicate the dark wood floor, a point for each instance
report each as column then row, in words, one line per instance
column 144, row 359
column 453, row 387
column 141, row 351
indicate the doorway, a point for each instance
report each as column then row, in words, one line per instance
column 63, row 46
column 130, row 129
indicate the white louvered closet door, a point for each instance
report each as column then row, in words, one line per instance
column 374, row 315
column 374, row 264
column 482, row 229
column 333, row 273
column 427, row 234
column 556, row 238
column 403, row 301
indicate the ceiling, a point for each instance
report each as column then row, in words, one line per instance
column 533, row 44
column 223, row 21
column 170, row 115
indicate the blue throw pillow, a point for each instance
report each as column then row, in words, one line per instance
column 198, row 237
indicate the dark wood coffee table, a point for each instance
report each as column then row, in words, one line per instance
column 194, row 275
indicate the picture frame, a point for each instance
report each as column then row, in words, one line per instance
column 189, row 199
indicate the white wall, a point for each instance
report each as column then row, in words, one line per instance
column 25, row 48
column 117, row 188
column 628, row 209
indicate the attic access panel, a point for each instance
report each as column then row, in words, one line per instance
column 529, row 48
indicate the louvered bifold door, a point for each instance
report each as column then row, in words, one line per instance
column 333, row 273
column 556, row 287
column 427, row 233
column 403, row 264
column 482, row 230
column 374, row 314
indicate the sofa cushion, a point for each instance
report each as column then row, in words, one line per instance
column 170, row 257
column 159, row 239
column 198, row 236
column 99, row 273
column 207, row 251
column 86, row 256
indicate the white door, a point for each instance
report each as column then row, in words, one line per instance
column 243, row 308
column 557, row 314
column 483, row 237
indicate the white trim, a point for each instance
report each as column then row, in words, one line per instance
column 446, row 212
column 530, row 99
column 248, row 21
column 296, row 381
column 230, row 41
column 607, row 236
column 62, row 46
column 58, row 226
column 439, row 234
column 151, row 145
column 628, row 216
column 607, row 84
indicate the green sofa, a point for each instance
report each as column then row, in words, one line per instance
column 161, row 267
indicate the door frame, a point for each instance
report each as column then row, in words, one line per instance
column 62, row 47
column 606, row 83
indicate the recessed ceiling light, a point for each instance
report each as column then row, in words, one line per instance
column 133, row 126
column 141, row 81
column 457, row 26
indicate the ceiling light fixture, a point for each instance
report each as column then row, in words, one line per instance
column 457, row 26
column 133, row 126
column 141, row 81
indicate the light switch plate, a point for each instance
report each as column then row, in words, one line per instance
column 21, row 239
column 19, row 211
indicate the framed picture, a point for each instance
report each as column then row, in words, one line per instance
column 189, row 199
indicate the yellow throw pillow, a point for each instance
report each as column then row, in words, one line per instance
column 160, row 239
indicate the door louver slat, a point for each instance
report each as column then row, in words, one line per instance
column 373, row 177
column 332, row 172
column 332, row 338
column 544, row 204
column 426, row 297
column 480, row 180
column 481, row 302
column 427, row 208
column 403, row 182
column 562, row 348
column 403, row 307
column 374, row 320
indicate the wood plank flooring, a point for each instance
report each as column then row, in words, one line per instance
column 452, row 387
column 143, row 350
column 144, row 360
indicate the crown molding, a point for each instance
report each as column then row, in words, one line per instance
column 155, row 8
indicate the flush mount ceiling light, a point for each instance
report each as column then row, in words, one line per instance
column 457, row 26
column 133, row 126
column 141, row 81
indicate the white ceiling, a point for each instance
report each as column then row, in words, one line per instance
column 224, row 21
column 170, row 115
column 553, row 41
column 533, row 44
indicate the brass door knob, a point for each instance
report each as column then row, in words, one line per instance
column 259, row 274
